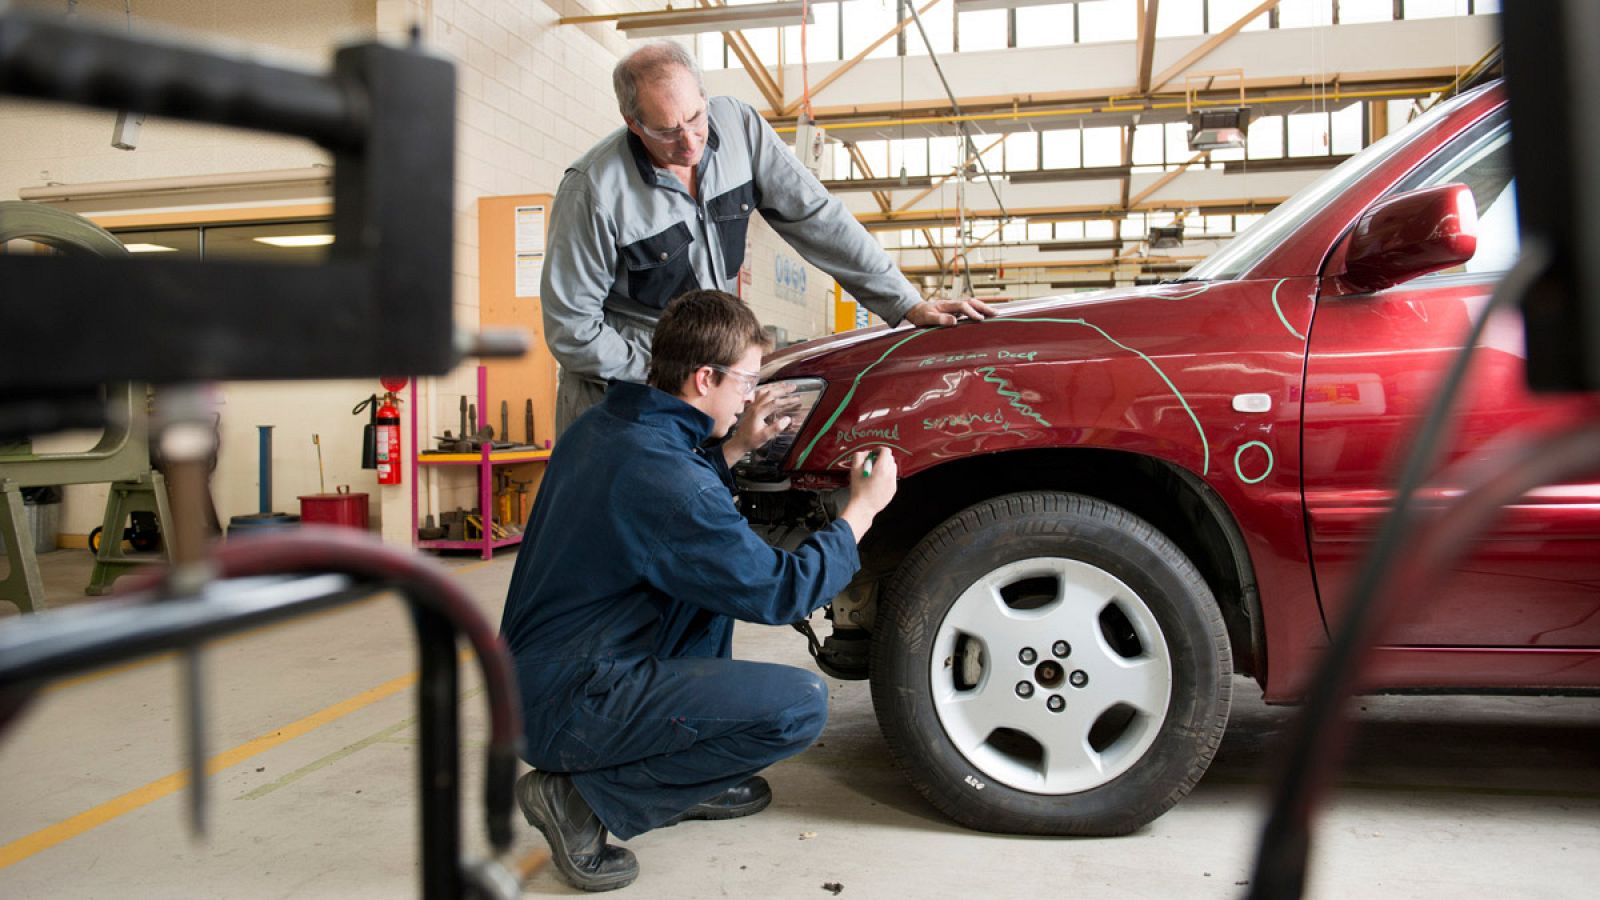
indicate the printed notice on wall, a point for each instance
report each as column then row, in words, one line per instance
column 530, row 268
column 530, row 230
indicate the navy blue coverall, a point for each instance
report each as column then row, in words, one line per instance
column 634, row 564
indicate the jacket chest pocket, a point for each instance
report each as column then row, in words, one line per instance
column 659, row 267
column 731, row 211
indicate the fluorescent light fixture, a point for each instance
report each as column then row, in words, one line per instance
column 296, row 240
column 975, row 5
column 1070, row 246
column 840, row 185
column 716, row 18
column 148, row 248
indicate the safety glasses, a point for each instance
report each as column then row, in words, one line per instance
column 747, row 380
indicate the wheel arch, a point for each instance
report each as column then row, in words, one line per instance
column 1176, row 502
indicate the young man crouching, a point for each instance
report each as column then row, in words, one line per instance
column 633, row 567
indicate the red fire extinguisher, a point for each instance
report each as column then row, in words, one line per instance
column 389, row 454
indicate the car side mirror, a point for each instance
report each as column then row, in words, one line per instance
column 1412, row 234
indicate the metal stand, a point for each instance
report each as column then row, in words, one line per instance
column 122, row 455
column 147, row 493
column 22, row 584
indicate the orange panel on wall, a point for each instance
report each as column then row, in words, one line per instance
column 511, row 233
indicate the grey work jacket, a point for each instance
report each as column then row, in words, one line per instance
column 626, row 238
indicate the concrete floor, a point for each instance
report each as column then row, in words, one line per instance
column 1445, row 797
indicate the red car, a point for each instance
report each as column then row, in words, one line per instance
column 1112, row 503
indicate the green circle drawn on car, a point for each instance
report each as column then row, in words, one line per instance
column 1240, row 452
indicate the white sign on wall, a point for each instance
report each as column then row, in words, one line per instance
column 529, row 262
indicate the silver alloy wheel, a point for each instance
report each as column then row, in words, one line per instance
column 1031, row 716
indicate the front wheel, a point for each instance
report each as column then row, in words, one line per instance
column 1046, row 663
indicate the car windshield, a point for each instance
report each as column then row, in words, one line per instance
column 1252, row 246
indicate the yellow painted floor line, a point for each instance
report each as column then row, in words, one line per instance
column 382, row 736
column 50, row 836
column 45, row 838
column 330, row 759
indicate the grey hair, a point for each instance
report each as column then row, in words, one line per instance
column 650, row 63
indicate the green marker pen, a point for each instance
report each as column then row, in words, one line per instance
column 866, row 467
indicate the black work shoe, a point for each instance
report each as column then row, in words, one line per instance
column 552, row 804
column 746, row 798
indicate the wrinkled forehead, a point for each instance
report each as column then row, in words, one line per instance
column 673, row 96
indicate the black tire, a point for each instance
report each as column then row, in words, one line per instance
column 1137, row 623
column 94, row 540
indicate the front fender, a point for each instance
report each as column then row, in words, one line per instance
column 1064, row 382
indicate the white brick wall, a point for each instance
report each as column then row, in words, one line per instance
column 43, row 143
column 802, row 316
column 533, row 96
column 46, row 143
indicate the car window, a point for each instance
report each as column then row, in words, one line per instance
column 1253, row 245
column 1481, row 160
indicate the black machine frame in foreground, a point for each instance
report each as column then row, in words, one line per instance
column 1552, row 64
column 380, row 306
column 337, row 566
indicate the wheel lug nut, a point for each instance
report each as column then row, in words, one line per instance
column 1027, row 656
column 1061, row 649
column 1024, row 689
column 1079, row 678
column 1055, row 703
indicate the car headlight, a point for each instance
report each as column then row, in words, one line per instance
column 766, row 463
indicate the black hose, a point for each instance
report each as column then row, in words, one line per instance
column 312, row 549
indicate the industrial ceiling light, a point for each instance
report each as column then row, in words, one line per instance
column 1219, row 127
column 715, row 18
column 1165, row 237
column 149, row 248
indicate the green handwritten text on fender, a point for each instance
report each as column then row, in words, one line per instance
column 1003, row 388
column 961, row 420
column 848, row 435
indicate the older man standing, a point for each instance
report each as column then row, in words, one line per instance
column 662, row 206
